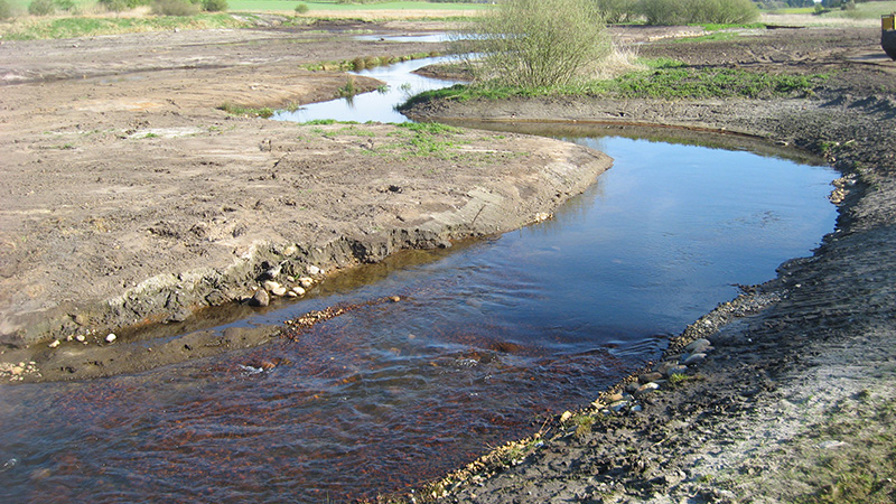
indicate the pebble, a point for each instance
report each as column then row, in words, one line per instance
column 313, row 270
column 111, row 337
column 260, row 298
column 298, row 291
column 270, row 285
column 615, row 397
column 54, row 344
column 306, row 282
column 395, row 299
column 700, row 345
column 647, row 387
column 565, row 416
column 677, row 369
column 81, row 338
column 279, row 291
column 687, row 360
column 650, row 377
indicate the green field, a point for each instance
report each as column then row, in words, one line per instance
column 864, row 10
column 290, row 5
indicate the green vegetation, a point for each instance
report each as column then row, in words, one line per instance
column 666, row 79
column 302, row 8
column 862, row 470
column 174, row 8
column 5, row 10
column 237, row 110
column 51, row 28
column 427, row 140
column 538, row 42
column 41, row 7
column 677, row 12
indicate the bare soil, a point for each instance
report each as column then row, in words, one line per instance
column 129, row 200
column 795, row 400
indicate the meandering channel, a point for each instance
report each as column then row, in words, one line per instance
column 490, row 338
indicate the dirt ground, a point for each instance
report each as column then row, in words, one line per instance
column 794, row 398
column 129, row 199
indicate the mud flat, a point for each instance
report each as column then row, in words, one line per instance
column 789, row 395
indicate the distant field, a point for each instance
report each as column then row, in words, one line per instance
column 290, row 5
column 864, row 10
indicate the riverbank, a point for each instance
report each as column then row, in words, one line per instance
column 142, row 190
column 793, row 400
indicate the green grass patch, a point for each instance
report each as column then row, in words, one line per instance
column 69, row 27
column 332, row 6
column 237, row 110
column 664, row 79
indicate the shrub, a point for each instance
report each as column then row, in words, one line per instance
column 302, row 8
column 41, row 7
column 5, row 10
column 676, row 12
column 214, row 5
column 174, row 8
column 533, row 43
column 618, row 11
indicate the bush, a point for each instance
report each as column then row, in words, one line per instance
column 214, row 5
column 534, row 43
column 121, row 5
column 302, row 8
column 677, row 12
column 41, row 7
column 174, row 8
column 618, row 11
column 5, row 10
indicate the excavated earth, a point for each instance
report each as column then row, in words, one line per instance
column 795, row 397
column 130, row 200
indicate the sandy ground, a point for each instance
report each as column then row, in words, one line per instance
column 131, row 200
column 793, row 396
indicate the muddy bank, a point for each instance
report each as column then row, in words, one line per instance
column 790, row 397
column 132, row 200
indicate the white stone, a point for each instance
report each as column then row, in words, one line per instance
column 306, row 282
column 270, row 285
column 279, row 291
column 565, row 416
column 298, row 291
column 80, row 338
column 313, row 270
column 54, row 344
column 111, row 337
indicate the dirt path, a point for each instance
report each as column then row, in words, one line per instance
column 130, row 200
column 793, row 400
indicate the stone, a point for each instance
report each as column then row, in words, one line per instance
column 306, row 282
column 298, row 291
column 54, row 344
column 81, row 338
column 676, row 370
column 279, row 291
column 270, row 285
column 693, row 359
column 313, row 270
column 260, row 298
column 700, row 345
column 395, row 299
column 111, row 337
column 650, row 377
column 647, row 387
column 565, row 416
column 615, row 397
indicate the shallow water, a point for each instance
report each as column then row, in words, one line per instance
column 489, row 338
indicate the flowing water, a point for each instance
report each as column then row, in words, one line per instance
column 490, row 337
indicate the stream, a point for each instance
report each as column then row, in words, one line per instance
column 491, row 338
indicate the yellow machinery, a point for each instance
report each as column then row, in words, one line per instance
column 888, row 34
